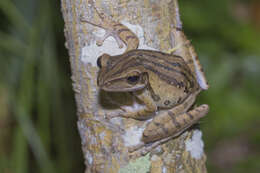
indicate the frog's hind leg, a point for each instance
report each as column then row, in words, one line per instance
column 169, row 123
column 165, row 123
column 201, row 78
column 184, row 48
column 178, row 46
column 166, row 127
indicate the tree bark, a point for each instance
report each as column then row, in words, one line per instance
column 105, row 142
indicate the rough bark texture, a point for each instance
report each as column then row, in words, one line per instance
column 103, row 141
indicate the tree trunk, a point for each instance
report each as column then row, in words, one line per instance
column 105, row 142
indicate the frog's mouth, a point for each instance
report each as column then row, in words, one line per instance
column 121, row 89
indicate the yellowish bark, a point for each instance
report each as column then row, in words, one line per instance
column 103, row 142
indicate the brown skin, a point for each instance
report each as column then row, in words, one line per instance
column 158, row 79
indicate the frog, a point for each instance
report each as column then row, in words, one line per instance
column 167, row 84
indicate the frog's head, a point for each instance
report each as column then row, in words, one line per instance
column 120, row 74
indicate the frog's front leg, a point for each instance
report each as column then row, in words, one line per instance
column 121, row 33
column 143, row 112
column 109, row 31
column 167, row 126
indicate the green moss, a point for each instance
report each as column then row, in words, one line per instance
column 140, row 165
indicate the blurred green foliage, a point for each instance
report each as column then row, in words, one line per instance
column 37, row 115
column 227, row 40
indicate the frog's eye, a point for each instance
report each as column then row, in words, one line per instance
column 99, row 62
column 133, row 79
column 103, row 60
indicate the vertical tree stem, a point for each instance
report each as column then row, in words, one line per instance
column 104, row 142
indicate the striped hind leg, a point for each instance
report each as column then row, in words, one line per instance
column 167, row 126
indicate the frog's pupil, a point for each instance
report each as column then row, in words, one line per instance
column 133, row 79
column 99, row 62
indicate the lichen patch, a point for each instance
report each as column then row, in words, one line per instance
column 133, row 136
column 195, row 145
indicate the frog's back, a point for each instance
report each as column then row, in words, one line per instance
column 170, row 79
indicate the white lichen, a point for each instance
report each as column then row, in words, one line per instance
column 133, row 136
column 89, row 157
column 164, row 170
column 195, row 145
column 134, row 107
column 102, row 135
column 83, row 130
column 90, row 53
column 154, row 158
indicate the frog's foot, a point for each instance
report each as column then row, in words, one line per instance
column 114, row 114
column 83, row 18
column 178, row 46
column 109, row 33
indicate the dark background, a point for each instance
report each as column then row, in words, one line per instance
column 38, row 131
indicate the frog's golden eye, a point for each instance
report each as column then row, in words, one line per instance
column 133, row 79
